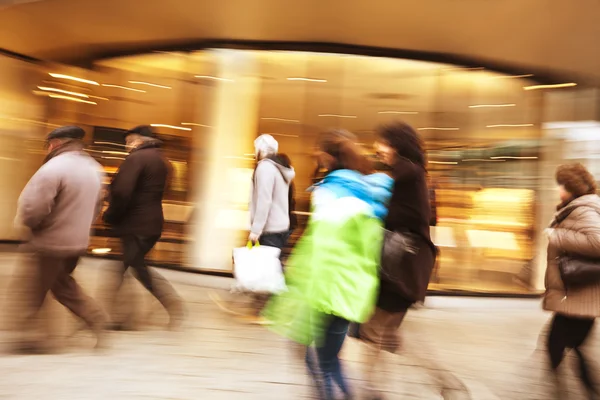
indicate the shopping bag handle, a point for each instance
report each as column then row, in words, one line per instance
column 250, row 245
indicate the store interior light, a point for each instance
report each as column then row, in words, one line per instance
column 307, row 79
column 434, row 128
column 150, row 84
column 482, row 160
column 509, row 126
column 492, row 105
column 513, row 76
column 443, row 162
column 213, row 78
column 123, row 87
column 399, row 112
column 67, row 92
column 101, row 251
column 180, row 128
column 514, row 158
column 556, row 86
column 195, row 124
column 293, row 121
column 75, row 99
column 73, row 78
column 338, row 116
column 97, row 97
column 281, row 134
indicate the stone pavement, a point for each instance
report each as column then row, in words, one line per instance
column 483, row 349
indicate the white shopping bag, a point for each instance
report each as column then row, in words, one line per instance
column 258, row 269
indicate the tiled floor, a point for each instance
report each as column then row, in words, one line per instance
column 481, row 348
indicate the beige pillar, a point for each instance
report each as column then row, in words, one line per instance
column 22, row 127
column 221, row 217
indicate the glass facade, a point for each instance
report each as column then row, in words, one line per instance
column 483, row 133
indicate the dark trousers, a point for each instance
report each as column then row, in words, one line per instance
column 278, row 240
column 570, row 333
column 53, row 273
column 329, row 366
column 135, row 250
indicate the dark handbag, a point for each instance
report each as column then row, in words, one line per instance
column 406, row 264
column 578, row 271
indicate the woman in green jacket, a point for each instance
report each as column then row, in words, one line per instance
column 332, row 274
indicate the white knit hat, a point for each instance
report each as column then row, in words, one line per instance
column 265, row 145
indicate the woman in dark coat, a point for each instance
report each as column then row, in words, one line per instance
column 400, row 148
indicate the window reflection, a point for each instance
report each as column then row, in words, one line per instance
column 482, row 132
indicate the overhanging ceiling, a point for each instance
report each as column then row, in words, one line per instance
column 556, row 38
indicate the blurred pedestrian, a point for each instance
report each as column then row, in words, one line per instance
column 286, row 161
column 270, row 202
column 59, row 205
column 332, row 272
column 575, row 230
column 135, row 213
column 401, row 148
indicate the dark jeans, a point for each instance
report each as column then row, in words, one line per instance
column 570, row 333
column 328, row 359
column 135, row 249
column 278, row 240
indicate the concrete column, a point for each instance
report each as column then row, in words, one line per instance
column 226, row 152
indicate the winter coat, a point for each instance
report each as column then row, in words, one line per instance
column 136, row 192
column 333, row 270
column 270, row 202
column 409, row 211
column 576, row 230
column 61, row 201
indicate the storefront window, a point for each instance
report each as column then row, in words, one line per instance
column 481, row 129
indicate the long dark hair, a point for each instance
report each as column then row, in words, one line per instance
column 405, row 141
column 341, row 145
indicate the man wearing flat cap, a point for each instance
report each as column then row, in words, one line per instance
column 135, row 213
column 59, row 205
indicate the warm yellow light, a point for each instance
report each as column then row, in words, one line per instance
column 150, row 84
column 213, row 78
column 398, row 112
column 124, row 88
column 443, row 162
column 281, row 134
column 51, row 89
column 60, row 96
column 101, row 251
column 307, row 79
column 509, row 126
column 433, row 128
column 513, row 158
column 338, row 116
column 492, row 105
column 482, row 160
column 513, row 76
column 556, row 86
column 171, row 127
column 73, row 78
column 111, row 143
column 293, row 121
column 195, row 124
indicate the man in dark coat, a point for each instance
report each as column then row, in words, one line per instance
column 135, row 212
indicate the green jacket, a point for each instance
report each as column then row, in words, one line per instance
column 333, row 269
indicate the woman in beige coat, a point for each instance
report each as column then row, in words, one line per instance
column 575, row 230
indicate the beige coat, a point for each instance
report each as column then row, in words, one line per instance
column 60, row 202
column 576, row 230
